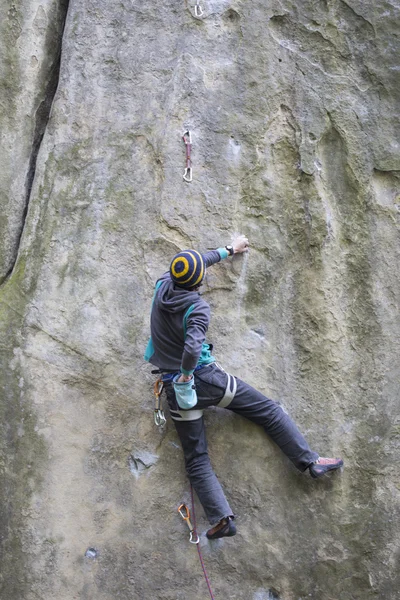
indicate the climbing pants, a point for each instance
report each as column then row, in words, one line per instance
column 216, row 387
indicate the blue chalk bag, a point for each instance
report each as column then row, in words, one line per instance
column 185, row 392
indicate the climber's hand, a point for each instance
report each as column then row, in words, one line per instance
column 240, row 244
column 184, row 378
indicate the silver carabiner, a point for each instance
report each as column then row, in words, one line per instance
column 198, row 11
column 159, row 418
column 187, row 176
column 191, row 540
column 187, row 136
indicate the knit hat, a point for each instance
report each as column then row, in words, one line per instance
column 187, row 268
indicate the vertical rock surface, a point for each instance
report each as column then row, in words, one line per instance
column 30, row 41
column 293, row 108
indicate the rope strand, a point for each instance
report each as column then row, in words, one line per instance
column 198, row 546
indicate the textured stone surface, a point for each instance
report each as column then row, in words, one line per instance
column 30, row 54
column 293, row 109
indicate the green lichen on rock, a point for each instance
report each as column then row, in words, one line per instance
column 23, row 453
column 10, row 76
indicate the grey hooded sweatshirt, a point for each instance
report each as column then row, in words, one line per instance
column 175, row 349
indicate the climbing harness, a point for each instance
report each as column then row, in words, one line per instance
column 159, row 417
column 185, row 514
column 198, row 11
column 230, row 391
column 188, row 174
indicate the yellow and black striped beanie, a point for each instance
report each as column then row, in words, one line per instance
column 187, row 268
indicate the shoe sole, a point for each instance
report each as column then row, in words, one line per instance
column 325, row 471
column 221, row 534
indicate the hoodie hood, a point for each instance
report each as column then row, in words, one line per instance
column 174, row 299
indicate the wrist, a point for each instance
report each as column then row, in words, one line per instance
column 186, row 374
column 223, row 252
column 185, row 378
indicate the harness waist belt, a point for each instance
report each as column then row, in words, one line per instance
column 230, row 392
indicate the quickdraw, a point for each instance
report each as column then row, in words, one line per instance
column 185, row 514
column 159, row 417
column 188, row 174
column 194, row 538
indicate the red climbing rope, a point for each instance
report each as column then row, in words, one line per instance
column 198, row 546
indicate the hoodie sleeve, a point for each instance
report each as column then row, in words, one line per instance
column 197, row 325
column 214, row 256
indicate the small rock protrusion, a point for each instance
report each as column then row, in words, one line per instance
column 91, row 553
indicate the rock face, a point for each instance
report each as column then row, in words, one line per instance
column 30, row 34
column 293, row 109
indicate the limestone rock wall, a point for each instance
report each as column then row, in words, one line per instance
column 30, row 41
column 293, row 108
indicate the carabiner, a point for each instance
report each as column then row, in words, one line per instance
column 188, row 174
column 187, row 137
column 159, row 418
column 185, row 514
column 191, row 538
column 198, row 11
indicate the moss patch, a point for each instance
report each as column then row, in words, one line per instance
column 23, row 454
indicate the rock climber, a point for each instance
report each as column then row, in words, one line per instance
column 179, row 321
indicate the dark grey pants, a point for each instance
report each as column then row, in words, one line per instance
column 214, row 386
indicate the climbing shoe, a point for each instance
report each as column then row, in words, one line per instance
column 225, row 528
column 323, row 465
